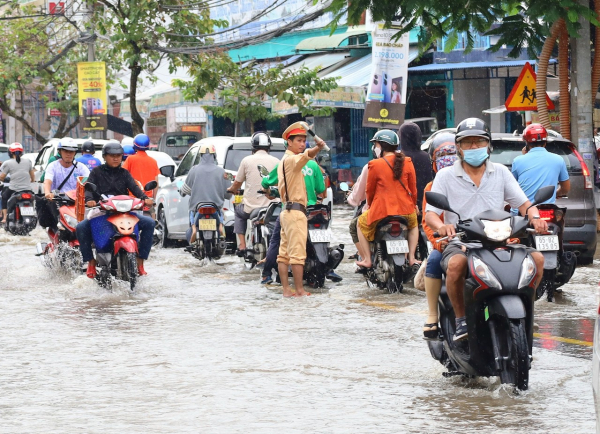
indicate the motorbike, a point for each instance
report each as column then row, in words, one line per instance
column 261, row 224
column 559, row 265
column 21, row 218
column 208, row 243
column 63, row 247
column 116, row 231
column 498, row 295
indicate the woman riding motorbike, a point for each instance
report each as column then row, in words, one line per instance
column 443, row 154
column 21, row 175
column 391, row 190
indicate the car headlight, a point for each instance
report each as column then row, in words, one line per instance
column 71, row 221
column 528, row 271
column 483, row 272
column 497, row 230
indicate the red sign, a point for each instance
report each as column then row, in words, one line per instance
column 56, row 8
column 191, row 128
column 54, row 112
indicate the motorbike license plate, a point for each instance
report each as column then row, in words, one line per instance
column 399, row 246
column 207, row 224
column 545, row 243
column 238, row 199
column 27, row 210
column 429, row 247
column 319, row 236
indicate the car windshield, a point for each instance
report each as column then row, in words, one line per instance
column 3, row 155
column 234, row 157
column 506, row 151
column 181, row 140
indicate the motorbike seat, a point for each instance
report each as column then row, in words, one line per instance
column 255, row 212
column 391, row 218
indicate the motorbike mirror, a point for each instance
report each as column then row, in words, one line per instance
column 168, row 172
column 151, row 185
column 229, row 176
column 543, row 194
column 90, row 186
column 439, row 201
column 264, row 172
column 344, row 186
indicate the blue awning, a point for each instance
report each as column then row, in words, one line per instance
column 472, row 65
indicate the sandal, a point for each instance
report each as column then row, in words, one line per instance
column 433, row 333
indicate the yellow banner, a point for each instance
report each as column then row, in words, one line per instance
column 92, row 95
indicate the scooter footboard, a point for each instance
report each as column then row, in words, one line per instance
column 508, row 306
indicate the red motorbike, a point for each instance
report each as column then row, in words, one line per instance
column 63, row 248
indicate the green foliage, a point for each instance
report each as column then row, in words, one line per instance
column 244, row 90
column 518, row 24
column 136, row 28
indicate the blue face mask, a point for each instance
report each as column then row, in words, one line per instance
column 475, row 157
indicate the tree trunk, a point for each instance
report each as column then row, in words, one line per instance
column 596, row 64
column 13, row 114
column 543, row 72
column 138, row 122
column 565, row 97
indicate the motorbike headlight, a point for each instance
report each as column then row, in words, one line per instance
column 497, row 231
column 123, row 205
column 483, row 272
column 528, row 271
column 70, row 220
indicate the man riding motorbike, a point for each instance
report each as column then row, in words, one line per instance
column 538, row 167
column 206, row 182
column 61, row 176
column 112, row 180
column 261, row 146
column 21, row 175
column 142, row 167
column 87, row 155
column 474, row 185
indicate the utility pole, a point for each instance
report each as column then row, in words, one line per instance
column 91, row 49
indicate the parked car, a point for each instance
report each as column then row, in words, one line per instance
column 428, row 126
column 177, row 144
column 3, row 153
column 580, row 220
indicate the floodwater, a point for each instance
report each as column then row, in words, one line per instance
column 208, row 349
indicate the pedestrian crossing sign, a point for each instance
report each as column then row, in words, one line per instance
column 523, row 95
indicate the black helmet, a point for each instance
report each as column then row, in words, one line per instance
column 261, row 141
column 473, row 127
column 87, row 147
column 113, row 147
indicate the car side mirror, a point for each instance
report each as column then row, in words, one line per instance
column 151, row 185
column 168, row 172
column 439, row 201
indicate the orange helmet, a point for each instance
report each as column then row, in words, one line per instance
column 535, row 133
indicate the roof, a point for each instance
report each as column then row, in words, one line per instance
column 472, row 65
column 328, row 42
column 320, row 61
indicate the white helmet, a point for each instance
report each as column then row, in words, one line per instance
column 68, row 144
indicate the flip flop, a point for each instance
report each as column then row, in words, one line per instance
column 432, row 333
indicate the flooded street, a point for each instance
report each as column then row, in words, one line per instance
column 208, row 349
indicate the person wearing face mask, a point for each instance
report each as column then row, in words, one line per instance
column 473, row 184
column 391, row 190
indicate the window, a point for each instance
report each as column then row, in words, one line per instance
column 506, row 151
column 188, row 162
column 234, row 157
column 181, row 140
column 3, row 154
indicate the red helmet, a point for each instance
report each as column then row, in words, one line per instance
column 535, row 133
column 15, row 147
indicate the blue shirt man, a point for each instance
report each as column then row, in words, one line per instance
column 539, row 168
column 87, row 156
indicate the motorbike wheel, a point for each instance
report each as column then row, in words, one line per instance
column 547, row 285
column 105, row 278
column 517, row 369
column 164, row 240
column 127, row 267
column 69, row 258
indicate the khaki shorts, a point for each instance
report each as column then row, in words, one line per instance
column 369, row 229
column 294, row 230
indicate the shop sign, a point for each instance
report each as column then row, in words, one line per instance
column 191, row 128
column 341, row 97
column 283, row 108
column 523, row 96
column 174, row 98
column 53, row 112
column 91, row 78
column 386, row 95
column 143, row 106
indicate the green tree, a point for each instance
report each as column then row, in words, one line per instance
column 38, row 54
column 244, row 89
column 137, row 28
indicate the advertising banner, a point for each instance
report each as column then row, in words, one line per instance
column 92, row 95
column 386, row 92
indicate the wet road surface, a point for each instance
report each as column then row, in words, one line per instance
column 208, row 349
